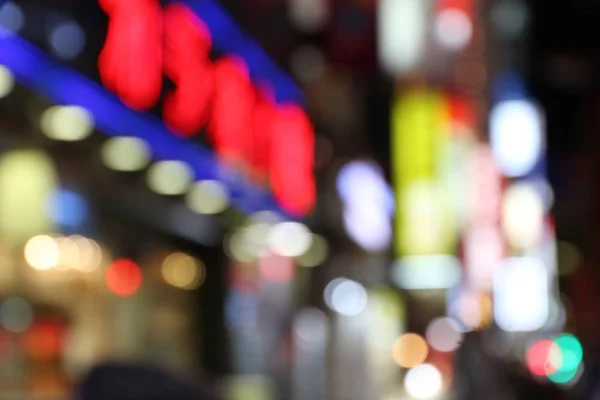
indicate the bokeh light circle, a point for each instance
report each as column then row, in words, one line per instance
column 543, row 358
column 346, row 297
column 423, row 381
column 125, row 154
column 410, row 350
column 42, row 252
column 183, row 271
column 124, row 277
column 444, row 334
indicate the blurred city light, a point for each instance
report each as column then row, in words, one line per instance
column 521, row 294
column 402, row 29
column 183, row 271
column 67, row 40
column 68, row 208
column 169, row 178
column 566, row 377
column 309, row 15
column 7, row 81
column 68, row 253
column 16, row 314
column 427, row 272
column 545, row 191
column 12, row 18
column 207, row 197
column 247, row 244
column 289, row 239
column 277, row 268
column 362, row 184
column 543, row 358
column 27, row 180
column 42, row 252
column 483, row 250
column 124, row 277
column 571, row 351
column 368, row 227
column 410, row 350
column 517, row 137
column 423, row 381
column 346, row 297
column 473, row 310
column 522, row 215
column 425, row 217
column 90, row 254
column 67, row 123
column 453, row 29
column 316, row 254
column 311, row 325
column 444, row 334
column 368, row 205
column 125, row 153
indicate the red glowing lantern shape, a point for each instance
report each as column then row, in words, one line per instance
column 186, row 109
column 124, row 277
column 244, row 124
column 131, row 61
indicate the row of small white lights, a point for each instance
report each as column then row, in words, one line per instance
column 129, row 154
column 288, row 239
column 45, row 252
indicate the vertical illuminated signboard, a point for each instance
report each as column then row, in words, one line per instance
column 420, row 136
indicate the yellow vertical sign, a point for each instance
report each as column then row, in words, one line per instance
column 420, row 139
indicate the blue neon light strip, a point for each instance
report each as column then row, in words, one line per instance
column 38, row 71
column 228, row 38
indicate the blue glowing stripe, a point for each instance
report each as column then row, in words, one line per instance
column 228, row 38
column 38, row 71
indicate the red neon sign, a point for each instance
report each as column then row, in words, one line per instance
column 244, row 124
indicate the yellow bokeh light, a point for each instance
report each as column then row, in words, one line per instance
column 42, row 252
column 67, row 123
column 7, row 81
column 125, row 154
column 410, row 350
column 183, row 271
column 68, row 253
column 207, row 197
column 316, row 254
column 89, row 254
column 170, row 177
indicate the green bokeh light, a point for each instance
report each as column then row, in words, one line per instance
column 571, row 350
column 571, row 358
column 563, row 376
